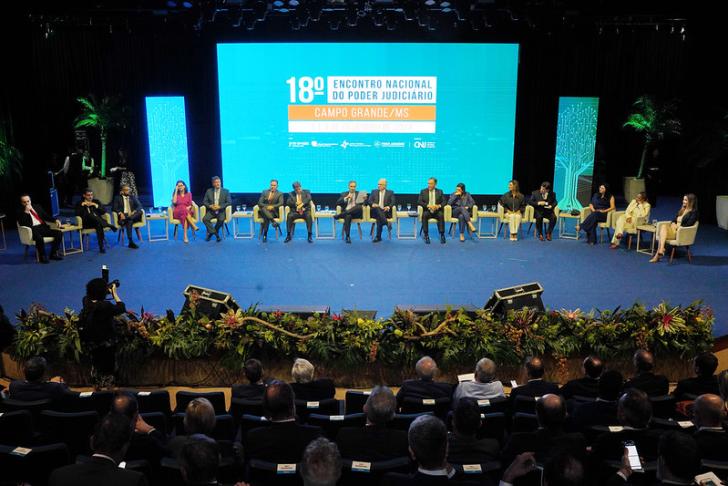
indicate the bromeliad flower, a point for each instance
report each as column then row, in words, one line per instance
column 335, row 317
column 666, row 320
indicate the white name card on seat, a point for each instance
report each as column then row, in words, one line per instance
column 428, row 401
column 361, row 466
column 21, row 451
column 685, row 424
column 466, row 377
column 472, row 469
column 144, row 394
column 484, row 403
column 122, row 465
column 285, row 469
column 85, row 394
column 2, row 413
column 368, row 392
column 514, row 384
column 615, row 428
column 312, row 404
column 336, row 418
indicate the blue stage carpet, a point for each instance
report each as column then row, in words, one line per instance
column 368, row 276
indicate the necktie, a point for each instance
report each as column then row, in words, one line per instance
column 352, row 200
column 126, row 205
column 270, row 196
column 381, row 199
column 432, row 198
column 35, row 215
column 217, row 196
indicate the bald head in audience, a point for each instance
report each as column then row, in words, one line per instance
column 643, row 361
column 534, row 368
column 426, row 368
column 709, row 411
column 551, row 411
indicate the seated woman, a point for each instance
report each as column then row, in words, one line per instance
column 513, row 203
column 601, row 204
column 687, row 216
column 183, row 210
column 461, row 203
column 636, row 213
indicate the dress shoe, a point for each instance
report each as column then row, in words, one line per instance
column 656, row 258
column 377, row 239
column 540, row 237
column 133, row 245
column 310, row 239
column 56, row 256
column 613, row 246
column 348, row 239
column 427, row 240
column 217, row 237
column 548, row 236
column 208, row 237
column 462, row 238
column 102, row 250
column 442, row 239
column 288, row 238
column 265, row 238
column 113, row 228
column 43, row 260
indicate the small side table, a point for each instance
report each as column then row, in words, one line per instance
column 405, row 215
column 493, row 217
column 563, row 232
column 318, row 215
column 243, row 235
column 157, row 217
column 647, row 228
column 2, row 230
column 70, row 229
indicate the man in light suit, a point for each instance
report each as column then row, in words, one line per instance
column 433, row 203
column 299, row 202
column 270, row 200
column 544, row 202
column 352, row 204
column 382, row 202
column 216, row 202
column 128, row 210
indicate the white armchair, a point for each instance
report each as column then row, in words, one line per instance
column 685, row 236
column 228, row 217
column 26, row 239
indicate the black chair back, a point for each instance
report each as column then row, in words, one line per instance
column 35, row 466
column 224, row 426
column 524, row 404
column 99, row 402
column 524, row 422
column 264, row 473
column 663, row 406
column 358, row 473
column 402, row 421
column 495, row 405
column 34, row 407
column 158, row 420
column 73, row 428
column 16, row 428
column 217, row 399
column 437, row 406
column 332, row 423
column 304, row 408
column 354, row 401
column 154, row 401
column 242, row 406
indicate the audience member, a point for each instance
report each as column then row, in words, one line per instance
column 321, row 464
column 644, row 379
column 711, row 437
column 484, row 387
column 536, row 385
column 704, row 380
column 464, row 446
column 603, row 411
column 304, row 385
column 283, row 441
column 146, row 442
column 109, row 443
column 34, row 387
column 425, row 385
column 255, row 388
column 199, row 461
column 375, row 441
column 588, row 385
column 199, row 421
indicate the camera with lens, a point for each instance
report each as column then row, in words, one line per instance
column 105, row 276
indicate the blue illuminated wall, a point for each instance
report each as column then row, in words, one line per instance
column 576, row 138
column 167, row 130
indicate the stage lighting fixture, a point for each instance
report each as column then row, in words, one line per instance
column 293, row 3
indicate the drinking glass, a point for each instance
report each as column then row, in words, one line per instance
column 399, row 207
column 327, row 209
column 409, row 206
column 318, row 208
column 654, row 222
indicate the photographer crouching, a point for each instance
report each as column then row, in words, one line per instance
column 97, row 329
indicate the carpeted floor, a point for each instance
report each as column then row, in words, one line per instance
column 378, row 277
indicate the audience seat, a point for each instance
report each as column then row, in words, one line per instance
column 158, row 420
column 248, row 422
column 332, row 423
column 98, row 401
column 35, row 407
column 524, row 422
column 354, row 401
column 34, row 467
column 154, row 401
column 224, row 426
column 663, row 406
column 242, row 406
column 670, row 424
column 495, row 405
column 720, row 468
column 402, row 421
column 71, row 428
column 185, row 397
column 524, row 404
column 358, row 474
column 437, row 406
column 329, row 406
column 484, row 473
column 16, row 428
column 264, row 473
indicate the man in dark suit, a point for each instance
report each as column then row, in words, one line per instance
column 146, row 442
column 199, row 461
column 270, row 200
column 37, row 220
column 216, row 201
column 128, row 211
column 283, row 441
column 464, row 446
column 588, row 386
column 433, row 203
column 382, row 203
column 603, row 411
column 544, row 202
column 299, row 204
column 109, row 443
column 92, row 212
column 644, row 379
column 255, row 388
column 425, row 385
column 536, row 385
column 711, row 437
column 306, row 387
column 704, row 380
column 374, row 441
column 34, row 387
column 351, row 203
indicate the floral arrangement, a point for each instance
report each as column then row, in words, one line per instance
column 346, row 342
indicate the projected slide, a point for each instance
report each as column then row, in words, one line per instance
column 328, row 113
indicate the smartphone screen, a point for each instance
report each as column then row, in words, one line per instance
column 633, row 456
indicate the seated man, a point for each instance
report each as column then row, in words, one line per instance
column 374, row 441
column 216, row 201
column 270, row 200
column 604, row 410
column 34, row 387
column 304, row 385
column 485, row 385
column 255, row 388
column 588, row 386
column 37, row 220
column 146, row 442
column 425, row 385
column 644, row 379
column 536, row 385
column 199, row 421
column 704, row 380
column 432, row 202
column 321, row 465
column 92, row 214
column 352, row 206
column 711, row 437
column 199, row 461
column 382, row 203
column 544, row 202
column 109, row 444
column 464, row 447
column 283, row 441
column 299, row 204
column 128, row 211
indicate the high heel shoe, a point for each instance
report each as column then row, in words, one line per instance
column 657, row 257
column 462, row 237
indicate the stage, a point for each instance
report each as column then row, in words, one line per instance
column 369, row 276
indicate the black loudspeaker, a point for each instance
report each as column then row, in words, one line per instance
column 303, row 311
column 516, row 298
column 422, row 310
column 209, row 302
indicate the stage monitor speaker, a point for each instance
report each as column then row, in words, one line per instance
column 210, row 302
column 303, row 311
column 422, row 310
column 515, row 298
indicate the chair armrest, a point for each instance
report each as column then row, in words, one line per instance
column 26, row 235
column 419, row 213
column 448, row 212
column 228, row 214
column 79, row 222
column 686, row 235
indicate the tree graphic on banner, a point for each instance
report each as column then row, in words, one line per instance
column 575, row 143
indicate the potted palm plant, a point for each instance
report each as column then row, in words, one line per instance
column 104, row 115
column 654, row 121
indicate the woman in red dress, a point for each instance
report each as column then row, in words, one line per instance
column 183, row 209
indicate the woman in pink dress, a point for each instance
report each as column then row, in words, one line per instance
column 183, row 210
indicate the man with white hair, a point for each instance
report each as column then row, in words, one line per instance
column 306, row 387
column 382, row 203
column 425, row 385
column 485, row 385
